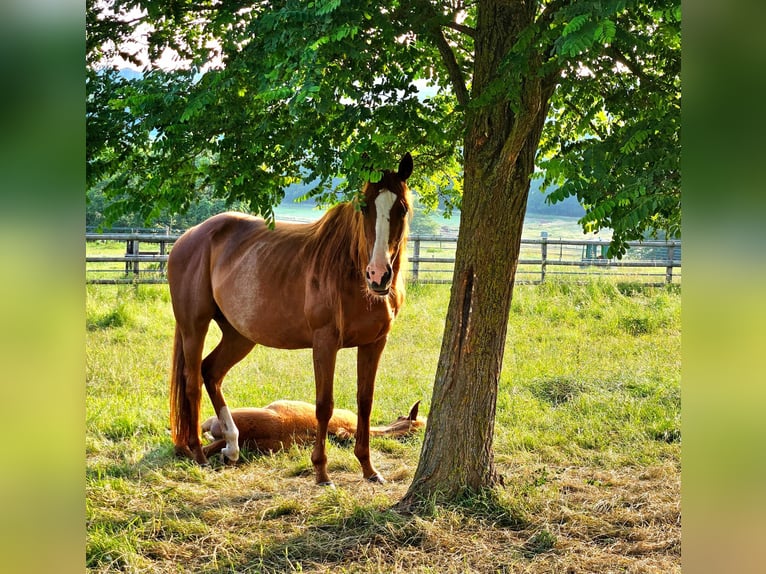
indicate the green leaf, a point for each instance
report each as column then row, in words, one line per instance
column 575, row 24
column 327, row 6
column 605, row 31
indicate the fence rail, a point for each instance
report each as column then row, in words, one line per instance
column 142, row 258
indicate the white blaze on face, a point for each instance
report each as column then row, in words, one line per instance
column 230, row 433
column 383, row 204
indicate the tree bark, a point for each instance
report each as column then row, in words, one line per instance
column 500, row 146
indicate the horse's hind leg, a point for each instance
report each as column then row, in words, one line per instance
column 232, row 348
column 215, row 447
column 192, row 347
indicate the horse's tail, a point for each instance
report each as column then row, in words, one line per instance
column 180, row 409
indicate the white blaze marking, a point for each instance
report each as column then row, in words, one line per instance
column 230, row 433
column 383, row 204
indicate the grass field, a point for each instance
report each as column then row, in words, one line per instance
column 587, row 439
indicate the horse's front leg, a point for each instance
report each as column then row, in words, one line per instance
column 367, row 360
column 325, row 350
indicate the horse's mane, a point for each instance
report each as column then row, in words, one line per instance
column 339, row 252
column 338, row 244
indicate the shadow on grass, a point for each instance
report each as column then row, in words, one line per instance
column 345, row 535
column 356, row 538
column 121, row 455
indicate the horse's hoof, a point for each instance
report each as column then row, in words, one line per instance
column 183, row 452
column 376, row 478
column 230, row 454
column 229, row 461
column 186, row 452
column 326, row 483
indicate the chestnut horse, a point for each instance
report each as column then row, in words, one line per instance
column 282, row 424
column 327, row 285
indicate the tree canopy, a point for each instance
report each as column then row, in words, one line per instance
column 613, row 136
column 480, row 92
column 271, row 93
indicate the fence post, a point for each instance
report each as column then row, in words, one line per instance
column 416, row 259
column 136, row 251
column 132, row 249
column 162, row 252
column 544, row 254
column 128, row 251
column 669, row 268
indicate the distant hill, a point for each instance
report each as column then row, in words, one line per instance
column 535, row 204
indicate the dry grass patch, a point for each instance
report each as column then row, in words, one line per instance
column 256, row 517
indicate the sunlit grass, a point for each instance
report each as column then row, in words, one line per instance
column 588, row 416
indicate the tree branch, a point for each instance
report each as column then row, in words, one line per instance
column 430, row 21
column 467, row 30
column 635, row 69
column 453, row 69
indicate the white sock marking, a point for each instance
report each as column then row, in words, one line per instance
column 230, row 433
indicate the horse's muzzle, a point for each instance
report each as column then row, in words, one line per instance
column 380, row 292
column 378, row 283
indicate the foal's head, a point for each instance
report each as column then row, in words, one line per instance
column 385, row 224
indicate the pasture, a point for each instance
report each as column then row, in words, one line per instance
column 587, row 439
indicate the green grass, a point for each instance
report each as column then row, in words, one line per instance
column 587, row 439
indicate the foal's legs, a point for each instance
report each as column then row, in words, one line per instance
column 367, row 359
column 325, row 348
column 232, row 348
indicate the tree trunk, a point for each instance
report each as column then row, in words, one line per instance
column 500, row 147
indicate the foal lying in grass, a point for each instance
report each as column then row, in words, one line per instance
column 284, row 423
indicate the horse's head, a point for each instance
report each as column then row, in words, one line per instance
column 404, row 425
column 386, row 209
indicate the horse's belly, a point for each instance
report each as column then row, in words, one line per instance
column 273, row 326
column 265, row 315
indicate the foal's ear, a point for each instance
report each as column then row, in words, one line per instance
column 405, row 167
column 413, row 416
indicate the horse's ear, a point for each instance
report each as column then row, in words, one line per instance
column 405, row 167
column 413, row 416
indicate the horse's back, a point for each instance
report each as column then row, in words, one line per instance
column 191, row 259
column 253, row 275
column 224, row 231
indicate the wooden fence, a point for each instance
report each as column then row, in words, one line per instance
column 142, row 260
column 655, row 262
column 113, row 258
